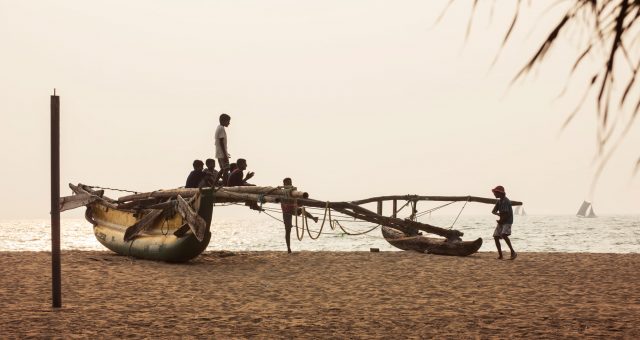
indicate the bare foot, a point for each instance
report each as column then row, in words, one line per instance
column 499, row 257
column 513, row 256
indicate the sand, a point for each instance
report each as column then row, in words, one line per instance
column 323, row 295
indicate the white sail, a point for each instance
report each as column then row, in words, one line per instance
column 586, row 206
column 582, row 212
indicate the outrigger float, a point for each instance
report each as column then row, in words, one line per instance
column 175, row 225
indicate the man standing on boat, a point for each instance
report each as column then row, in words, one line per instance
column 504, row 210
column 222, row 143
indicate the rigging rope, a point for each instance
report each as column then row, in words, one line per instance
column 114, row 189
column 355, row 234
column 465, row 204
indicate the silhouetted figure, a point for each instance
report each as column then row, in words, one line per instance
column 288, row 209
column 503, row 229
column 237, row 178
column 222, row 144
column 196, row 175
column 211, row 176
column 232, row 168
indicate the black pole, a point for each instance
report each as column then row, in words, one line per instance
column 55, row 198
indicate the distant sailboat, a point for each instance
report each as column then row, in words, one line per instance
column 586, row 206
column 520, row 211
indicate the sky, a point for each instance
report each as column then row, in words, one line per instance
column 352, row 99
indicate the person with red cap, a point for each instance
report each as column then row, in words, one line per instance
column 504, row 210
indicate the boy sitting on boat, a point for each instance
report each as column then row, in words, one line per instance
column 196, row 175
column 237, row 178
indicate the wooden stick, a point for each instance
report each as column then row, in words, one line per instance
column 361, row 213
column 197, row 224
column 222, row 195
column 267, row 191
column 145, row 202
column 80, row 190
column 143, row 224
column 75, row 201
column 432, row 198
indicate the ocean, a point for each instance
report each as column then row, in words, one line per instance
column 604, row 234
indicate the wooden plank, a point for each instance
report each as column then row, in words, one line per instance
column 80, row 190
column 76, row 201
column 197, row 224
column 142, row 203
column 184, row 192
column 143, row 224
column 267, row 191
column 223, row 194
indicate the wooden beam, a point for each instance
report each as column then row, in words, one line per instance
column 76, row 201
column 197, row 224
column 223, row 194
column 395, row 209
column 356, row 211
column 143, row 224
column 432, row 198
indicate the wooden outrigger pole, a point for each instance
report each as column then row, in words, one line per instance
column 415, row 198
column 356, row 211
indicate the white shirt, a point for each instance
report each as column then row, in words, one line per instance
column 221, row 133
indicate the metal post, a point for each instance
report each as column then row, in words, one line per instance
column 55, row 198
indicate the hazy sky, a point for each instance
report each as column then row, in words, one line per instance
column 352, row 99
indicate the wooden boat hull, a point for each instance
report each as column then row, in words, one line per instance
column 158, row 242
column 429, row 245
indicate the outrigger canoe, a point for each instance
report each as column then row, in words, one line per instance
column 430, row 245
column 175, row 225
column 164, row 238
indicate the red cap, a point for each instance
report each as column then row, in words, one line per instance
column 499, row 188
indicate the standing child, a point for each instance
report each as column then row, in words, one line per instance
column 222, row 144
column 288, row 209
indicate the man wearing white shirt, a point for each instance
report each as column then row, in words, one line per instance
column 222, row 152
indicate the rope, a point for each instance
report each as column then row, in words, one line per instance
column 355, row 234
column 422, row 213
column 162, row 227
column 326, row 208
column 114, row 189
column 465, row 204
column 295, row 210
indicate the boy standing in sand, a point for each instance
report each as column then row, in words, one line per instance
column 287, row 215
column 222, row 152
column 288, row 209
column 504, row 210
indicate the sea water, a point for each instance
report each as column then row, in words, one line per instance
column 604, row 234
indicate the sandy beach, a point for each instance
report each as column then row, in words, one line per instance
column 323, row 295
